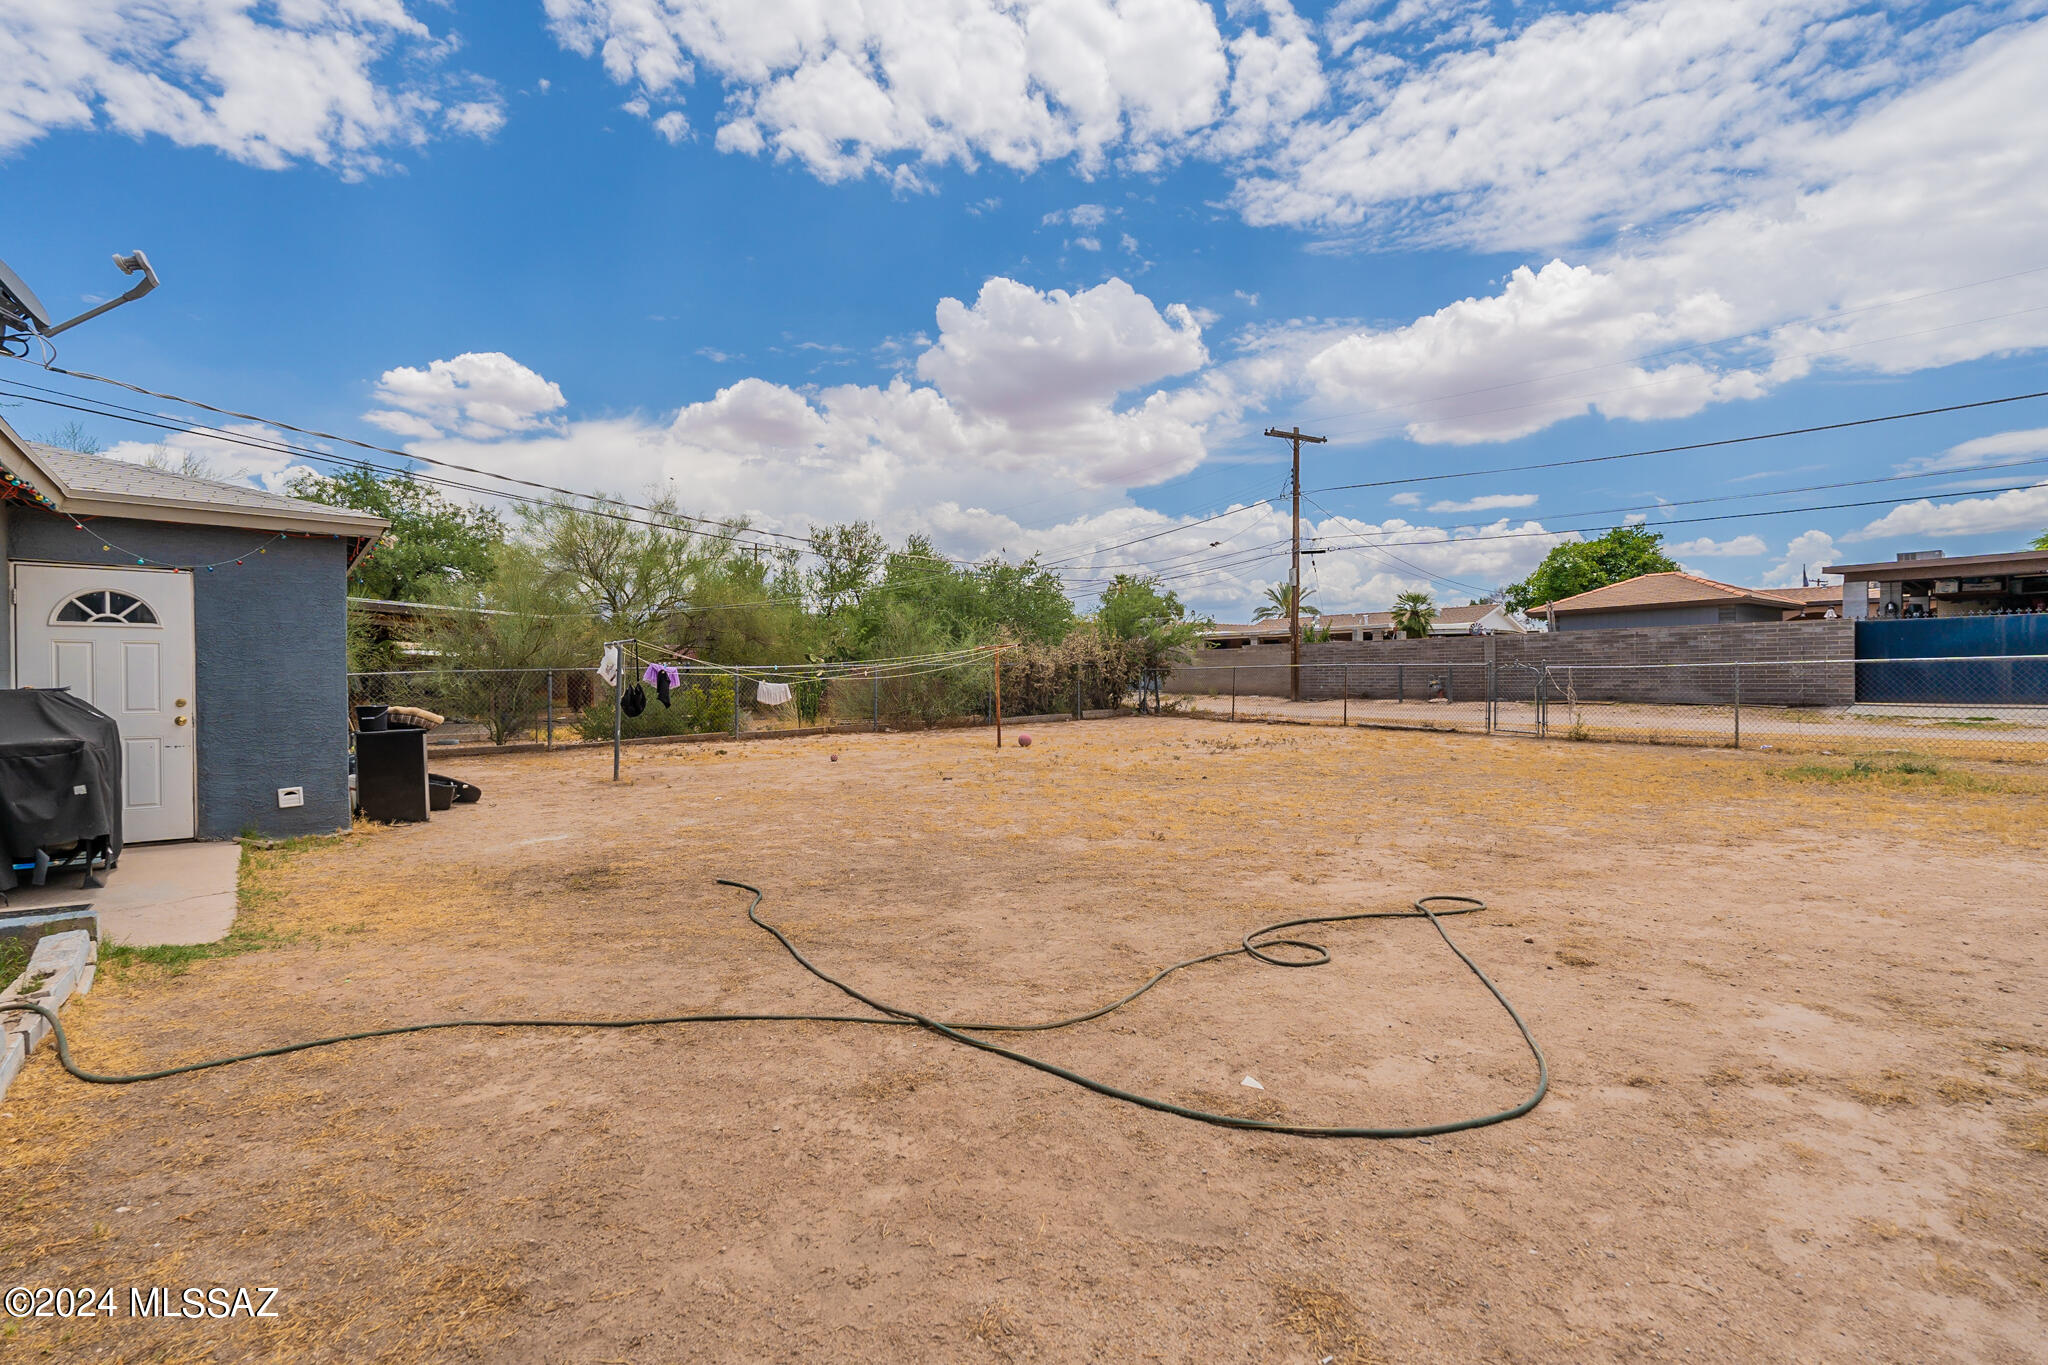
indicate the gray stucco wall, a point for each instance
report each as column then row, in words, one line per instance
column 271, row 695
column 1646, row 618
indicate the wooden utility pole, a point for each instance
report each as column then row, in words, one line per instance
column 1294, row 575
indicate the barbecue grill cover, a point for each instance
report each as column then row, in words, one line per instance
column 60, row 776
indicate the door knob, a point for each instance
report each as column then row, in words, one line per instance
column 183, row 720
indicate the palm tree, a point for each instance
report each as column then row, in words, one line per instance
column 1413, row 612
column 1279, row 600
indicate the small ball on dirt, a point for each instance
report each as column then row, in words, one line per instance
column 1023, row 741
column 835, row 758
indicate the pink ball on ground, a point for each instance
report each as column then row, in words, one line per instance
column 835, row 758
column 1023, row 741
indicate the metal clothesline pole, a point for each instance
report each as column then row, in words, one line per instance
column 618, row 704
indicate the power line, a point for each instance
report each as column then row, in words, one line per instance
column 140, row 417
column 1394, row 558
column 360, row 445
column 741, row 540
column 1679, row 521
column 1694, row 445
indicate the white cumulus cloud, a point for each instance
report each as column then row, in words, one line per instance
column 340, row 83
column 2022, row 510
column 1485, row 502
column 1706, row 547
column 477, row 394
column 846, row 90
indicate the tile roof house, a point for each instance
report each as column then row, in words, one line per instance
column 1480, row 619
column 207, row 618
column 1685, row 599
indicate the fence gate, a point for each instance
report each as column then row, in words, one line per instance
column 1521, row 699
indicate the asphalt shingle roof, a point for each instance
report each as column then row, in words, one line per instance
column 102, row 476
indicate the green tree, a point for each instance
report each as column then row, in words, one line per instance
column 1582, row 565
column 1414, row 612
column 1279, row 600
column 1134, row 608
column 966, row 604
column 433, row 541
column 513, row 622
column 633, row 573
column 851, row 558
column 2041, row 541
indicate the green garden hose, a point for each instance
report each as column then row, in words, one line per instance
column 1258, row 945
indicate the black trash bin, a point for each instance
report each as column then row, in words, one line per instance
column 371, row 719
column 391, row 774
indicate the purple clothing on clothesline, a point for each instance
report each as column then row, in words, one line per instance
column 654, row 672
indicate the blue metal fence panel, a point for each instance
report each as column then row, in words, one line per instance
column 1953, row 660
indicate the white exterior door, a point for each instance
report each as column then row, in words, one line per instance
column 122, row 640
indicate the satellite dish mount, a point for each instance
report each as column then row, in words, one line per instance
column 22, row 314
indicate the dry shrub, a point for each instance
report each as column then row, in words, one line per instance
column 1039, row 679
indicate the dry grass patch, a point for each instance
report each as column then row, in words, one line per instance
column 885, row 1086
column 1884, row 1091
column 1963, row 1090
column 1329, row 1321
column 2031, row 1133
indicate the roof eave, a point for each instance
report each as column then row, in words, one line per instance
column 143, row 508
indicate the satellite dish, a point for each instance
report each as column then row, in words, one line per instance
column 22, row 314
column 18, row 302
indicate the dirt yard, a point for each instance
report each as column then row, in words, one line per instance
column 1794, row 1015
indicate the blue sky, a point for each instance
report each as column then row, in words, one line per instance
column 1033, row 277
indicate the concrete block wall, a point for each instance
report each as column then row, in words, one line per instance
column 1785, row 663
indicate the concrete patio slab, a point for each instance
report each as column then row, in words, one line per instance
column 161, row 893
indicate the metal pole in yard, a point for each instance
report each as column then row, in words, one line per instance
column 618, row 707
column 877, row 681
column 999, row 698
column 1233, row 691
column 551, row 708
column 1738, row 706
column 736, row 680
column 1347, row 694
column 1400, row 684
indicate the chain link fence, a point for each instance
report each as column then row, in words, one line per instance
column 1993, row 708
column 553, row 707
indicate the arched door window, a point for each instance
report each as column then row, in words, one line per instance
column 104, row 607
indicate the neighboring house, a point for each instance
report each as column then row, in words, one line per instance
column 207, row 618
column 1684, row 599
column 1930, row 583
column 1485, row 618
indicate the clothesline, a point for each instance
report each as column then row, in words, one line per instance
column 902, row 666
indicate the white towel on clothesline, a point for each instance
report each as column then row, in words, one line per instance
column 771, row 694
column 608, row 666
